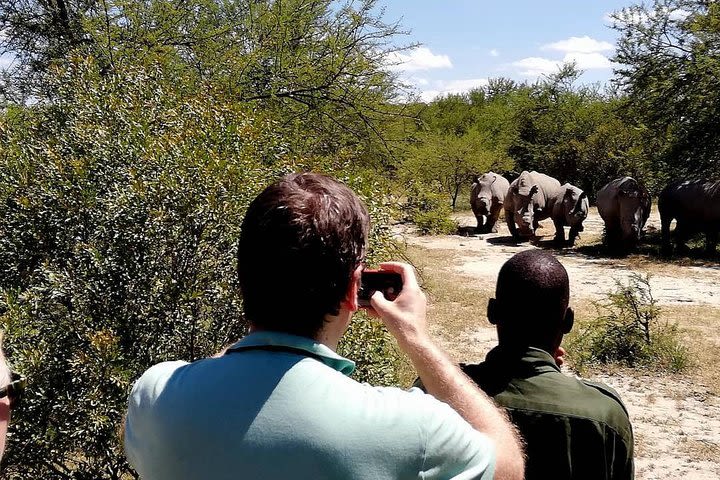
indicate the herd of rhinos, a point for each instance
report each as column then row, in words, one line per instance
column 623, row 204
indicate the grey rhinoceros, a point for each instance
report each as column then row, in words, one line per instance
column 535, row 196
column 695, row 205
column 571, row 209
column 486, row 200
column 624, row 205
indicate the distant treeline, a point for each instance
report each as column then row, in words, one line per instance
column 657, row 120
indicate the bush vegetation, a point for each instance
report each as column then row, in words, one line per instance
column 628, row 331
column 124, row 181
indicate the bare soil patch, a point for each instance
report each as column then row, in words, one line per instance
column 676, row 418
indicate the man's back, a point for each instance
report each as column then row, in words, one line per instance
column 280, row 406
column 573, row 429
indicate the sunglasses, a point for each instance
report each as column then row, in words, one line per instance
column 14, row 390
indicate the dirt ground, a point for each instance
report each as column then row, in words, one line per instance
column 676, row 419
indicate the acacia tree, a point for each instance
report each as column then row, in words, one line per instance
column 446, row 163
column 669, row 53
column 318, row 66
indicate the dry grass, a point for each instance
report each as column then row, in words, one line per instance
column 699, row 450
column 457, row 307
column 700, row 326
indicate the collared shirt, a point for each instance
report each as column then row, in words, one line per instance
column 278, row 406
column 574, row 429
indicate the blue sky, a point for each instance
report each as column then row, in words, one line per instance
column 466, row 42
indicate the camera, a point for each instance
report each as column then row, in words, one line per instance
column 371, row 281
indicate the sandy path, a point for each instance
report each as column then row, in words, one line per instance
column 482, row 256
column 676, row 421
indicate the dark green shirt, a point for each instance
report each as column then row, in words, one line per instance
column 574, row 429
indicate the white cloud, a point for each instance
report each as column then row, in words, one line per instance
column 585, row 51
column 494, row 53
column 536, row 66
column 420, row 58
column 579, row 45
column 588, row 61
column 447, row 87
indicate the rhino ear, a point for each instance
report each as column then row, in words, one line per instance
column 568, row 320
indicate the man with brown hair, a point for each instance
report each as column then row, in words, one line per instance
column 280, row 404
column 573, row 428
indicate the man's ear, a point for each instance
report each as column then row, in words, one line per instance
column 351, row 296
column 568, row 321
column 493, row 311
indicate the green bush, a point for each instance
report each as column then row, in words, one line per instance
column 628, row 331
column 120, row 206
column 430, row 212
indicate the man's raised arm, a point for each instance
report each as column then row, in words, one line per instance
column 405, row 318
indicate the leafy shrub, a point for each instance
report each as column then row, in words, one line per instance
column 120, row 206
column 628, row 331
column 376, row 362
column 430, row 212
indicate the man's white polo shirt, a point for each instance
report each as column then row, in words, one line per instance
column 278, row 406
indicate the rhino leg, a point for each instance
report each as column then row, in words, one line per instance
column 492, row 220
column 480, row 223
column 711, row 240
column 666, row 248
column 559, row 232
column 574, row 234
column 613, row 237
column 681, row 237
column 510, row 219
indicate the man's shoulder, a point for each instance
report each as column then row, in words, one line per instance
column 553, row 393
column 162, row 369
column 570, row 396
column 605, row 390
column 154, row 379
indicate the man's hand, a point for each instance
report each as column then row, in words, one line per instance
column 559, row 356
column 404, row 317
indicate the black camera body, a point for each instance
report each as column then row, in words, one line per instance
column 371, row 281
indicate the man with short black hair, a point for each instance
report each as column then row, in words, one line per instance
column 279, row 403
column 573, row 428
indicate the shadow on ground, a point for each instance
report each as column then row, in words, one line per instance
column 466, row 231
column 648, row 249
column 505, row 240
